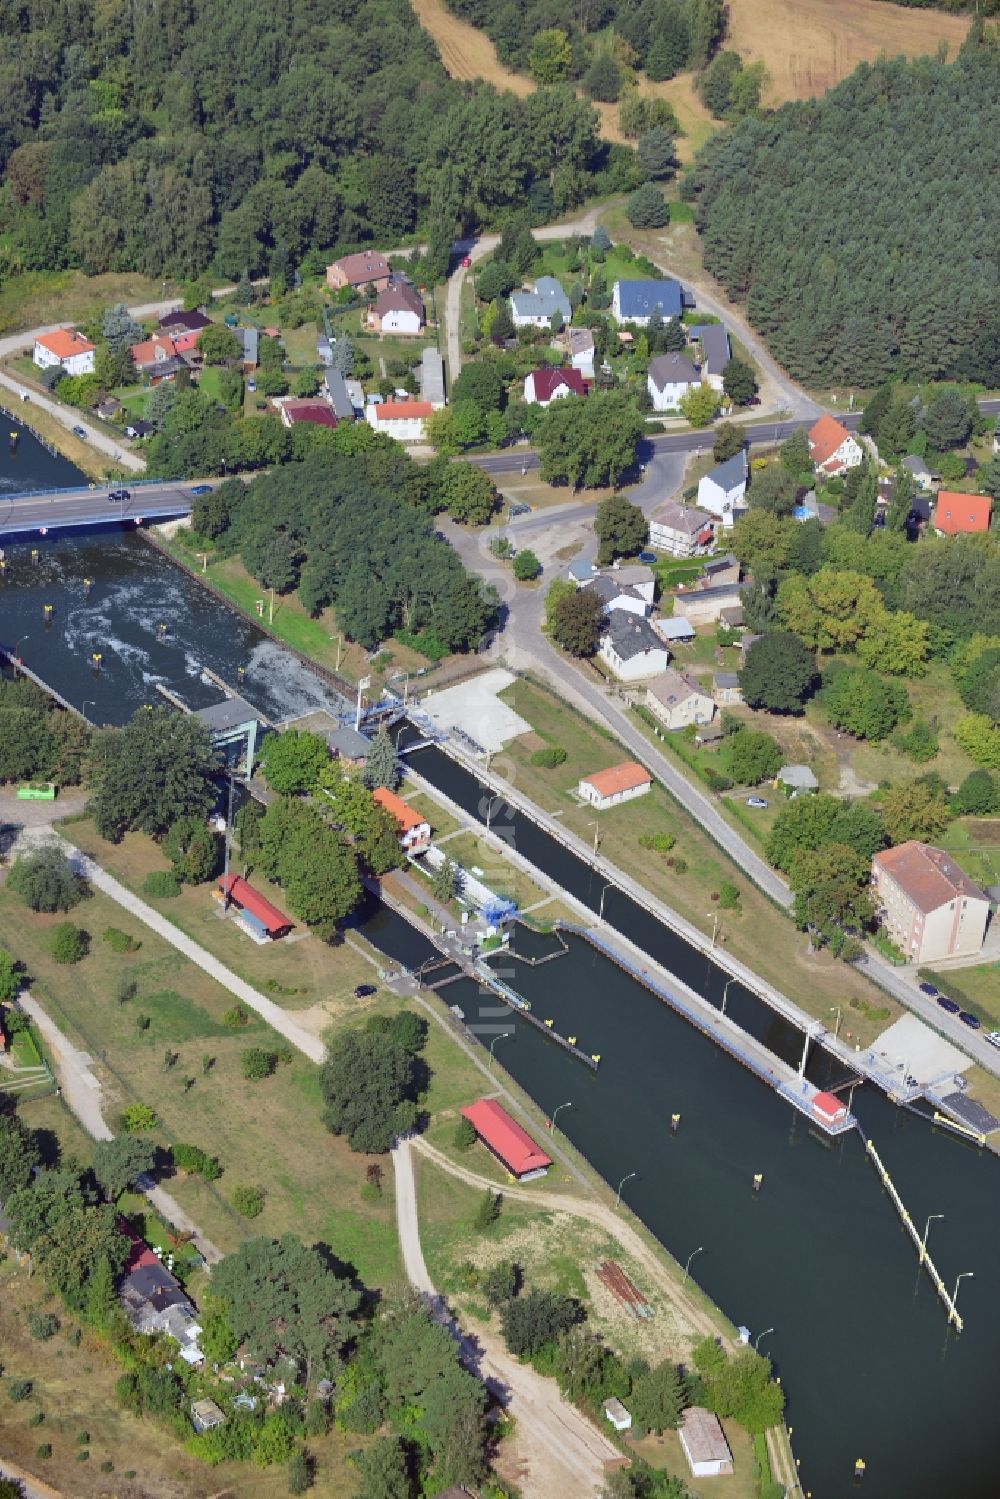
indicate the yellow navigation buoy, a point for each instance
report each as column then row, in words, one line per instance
column 571, row 1040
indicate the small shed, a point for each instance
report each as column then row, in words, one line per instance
column 674, row 629
column 205, row 1414
column 704, row 1443
column 261, row 919
column 797, row 780
column 828, row 1108
column 503, row 1136
column 620, row 1418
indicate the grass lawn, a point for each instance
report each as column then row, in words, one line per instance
column 74, row 1390
column 268, row 1133
column 69, row 296
column 300, row 344
column 208, row 381
column 758, row 933
column 667, row 1454
column 441, row 821
column 976, row 988
column 975, row 844
column 135, row 399
column 933, row 697
column 497, row 872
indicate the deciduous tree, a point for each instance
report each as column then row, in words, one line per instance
column 369, row 1084
column 151, row 772
column 778, row 674
column 576, row 622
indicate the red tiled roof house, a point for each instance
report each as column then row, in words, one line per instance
column 403, row 420
column 504, row 1138
column 961, row 514
column 608, row 788
column 414, row 830
column 260, row 919
column 65, row 347
column 927, row 904
column 832, row 448
column 549, row 384
column 366, row 268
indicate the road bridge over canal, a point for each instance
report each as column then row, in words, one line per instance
column 43, row 511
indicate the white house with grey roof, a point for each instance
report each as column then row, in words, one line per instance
column 723, row 490
column 636, row 301
column 539, row 308
column 715, row 352
column 681, row 530
column 921, row 474
column 631, row 647
column 669, row 378
column 676, row 700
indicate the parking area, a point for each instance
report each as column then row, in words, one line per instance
column 910, row 1045
column 474, row 709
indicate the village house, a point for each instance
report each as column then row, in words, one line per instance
column 927, row 904
column 636, row 301
column 961, row 514
column 615, row 595
column 67, row 348
column 249, row 341
column 668, row 380
column 715, row 352
column 180, row 321
column 922, row 476
column 619, row 1416
column 797, row 780
column 548, row 384
column 366, row 268
column 349, row 745
column 403, row 420
column 580, row 348
column 338, row 396
column 506, row 1140
column 722, row 569
column 296, row 410
column 681, row 530
column 398, row 309
column 414, row 831
column 620, row 783
column 677, row 700
column 432, row 377
column 731, row 618
column 154, row 1300
column 832, row 448
column 255, row 914
column 702, row 602
column 631, row 647
column 726, row 689
column 546, row 304
column 723, row 490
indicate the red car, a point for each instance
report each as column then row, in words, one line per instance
column 466, row 261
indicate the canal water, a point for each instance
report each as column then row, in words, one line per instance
column 859, row 1339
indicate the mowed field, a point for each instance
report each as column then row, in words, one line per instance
column 809, row 45
column 806, row 46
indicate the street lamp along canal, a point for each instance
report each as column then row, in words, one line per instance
column 567, row 1105
column 725, row 993
column 504, row 1036
column 618, row 1194
column 690, row 1257
column 927, row 1229
column 965, row 1275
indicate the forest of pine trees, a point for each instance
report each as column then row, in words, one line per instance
column 860, row 229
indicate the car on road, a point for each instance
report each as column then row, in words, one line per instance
column 947, row 1004
column 513, row 510
column 202, row 489
column 80, row 432
column 993, row 1037
column 364, row 990
column 929, row 989
column 119, row 496
column 756, row 801
column 969, row 1020
column 251, row 385
column 466, row 262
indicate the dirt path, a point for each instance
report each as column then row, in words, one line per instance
column 82, row 1093
column 614, row 1224
column 554, row 1447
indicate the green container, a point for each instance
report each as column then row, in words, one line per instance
column 37, row 791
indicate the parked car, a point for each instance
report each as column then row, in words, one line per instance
column 756, row 801
column 80, row 432
column 969, row 1020
column 251, row 385
column 929, row 989
column 466, row 262
column 364, row 990
column 202, row 489
column 993, row 1037
column 947, row 1004
column 513, row 510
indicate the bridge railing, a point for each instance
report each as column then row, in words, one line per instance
column 37, row 494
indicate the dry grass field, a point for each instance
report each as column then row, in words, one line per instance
column 466, row 52
column 809, row 45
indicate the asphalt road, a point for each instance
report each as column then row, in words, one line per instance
column 88, row 507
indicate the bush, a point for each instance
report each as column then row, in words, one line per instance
column 465, row 1134
column 46, row 881
column 36, row 1419
column 236, row 1017
column 42, row 1325
column 256, row 1063
column 729, row 897
column 19, row 1389
column 249, row 1201
column 194, row 1160
column 549, row 757
column 161, row 884
column 68, row 943
column 137, row 1118
column 120, row 941
column 918, row 743
column 526, row 566
column 43, row 1450
column 657, row 843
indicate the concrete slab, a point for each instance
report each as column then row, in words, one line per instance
column 926, row 1055
column 474, row 709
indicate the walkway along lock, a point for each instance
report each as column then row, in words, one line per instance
column 924, row 1258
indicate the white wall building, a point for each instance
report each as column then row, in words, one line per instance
column 723, row 491
column 403, row 420
column 927, row 904
column 65, row 347
column 677, row 701
column 668, row 380
column 631, row 647
column 608, row 788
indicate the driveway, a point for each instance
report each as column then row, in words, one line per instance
column 554, row 1448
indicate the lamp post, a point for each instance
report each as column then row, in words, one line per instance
column 715, row 925
column 593, row 823
column 836, row 1010
column 87, row 700
column 725, row 993
column 965, row 1275
column 690, row 1257
column 927, row 1229
column 604, row 891
column 567, row 1105
column 17, row 653
column 504, row 1035
column 618, row 1194
column 757, row 1340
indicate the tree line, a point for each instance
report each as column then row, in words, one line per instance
column 180, row 138
column 828, row 218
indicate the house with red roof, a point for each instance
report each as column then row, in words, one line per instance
column 67, row 348
column 927, row 903
column 366, row 268
column 619, row 783
column 832, row 448
column 414, row 831
column 961, row 514
column 549, row 384
column 504, row 1138
column 313, row 412
column 403, row 420
column 398, row 309
column 257, row 916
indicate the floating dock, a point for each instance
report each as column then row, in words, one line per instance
column 908, row 1223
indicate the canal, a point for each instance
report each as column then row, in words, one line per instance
column 859, row 1340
